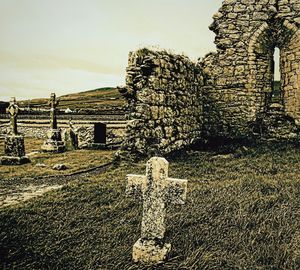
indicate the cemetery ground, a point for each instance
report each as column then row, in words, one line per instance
column 242, row 212
column 74, row 160
column 20, row 183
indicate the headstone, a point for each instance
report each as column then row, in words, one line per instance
column 53, row 142
column 100, row 133
column 14, row 147
column 70, row 138
column 157, row 191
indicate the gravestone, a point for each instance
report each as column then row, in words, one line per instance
column 157, row 191
column 100, row 133
column 70, row 138
column 53, row 142
column 14, row 147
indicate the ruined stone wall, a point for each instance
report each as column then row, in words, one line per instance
column 164, row 98
column 172, row 102
column 239, row 75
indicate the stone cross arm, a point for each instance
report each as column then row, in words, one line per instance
column 173, row 190
column 176, row 190
column 53, row 102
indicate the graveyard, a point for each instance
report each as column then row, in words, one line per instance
column 188, row 165
column 226, row 205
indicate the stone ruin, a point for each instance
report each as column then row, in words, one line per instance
column 174, row 102
column 14, row 146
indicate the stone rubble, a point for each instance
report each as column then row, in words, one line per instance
column 60, row 167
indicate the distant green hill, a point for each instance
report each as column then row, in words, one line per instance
column 92, row 99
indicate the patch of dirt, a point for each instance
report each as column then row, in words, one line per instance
column 18, row 190
column 18, row 195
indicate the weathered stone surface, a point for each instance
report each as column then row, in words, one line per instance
column 14, row 145
column 239, row 85
column 13, row 111
column 60, row 167
column 41, row 165
column 174, row 102
column 163, row 93
column 10, row 160
column 150, row 252
column 53, row 103
column 85, row 136
column 157, row 191
column 70, row 139
column 115, row 134
column 54, row 142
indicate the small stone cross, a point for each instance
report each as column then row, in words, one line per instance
column 53, row 103
column 13, row 110
column 157, row 191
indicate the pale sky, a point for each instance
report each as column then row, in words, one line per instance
column 68, row 46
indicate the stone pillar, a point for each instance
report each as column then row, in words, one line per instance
column 53, row 142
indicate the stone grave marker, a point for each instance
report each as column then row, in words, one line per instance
column 157, row 191
column 70, row 138
column 54, row 141
column 14, row 147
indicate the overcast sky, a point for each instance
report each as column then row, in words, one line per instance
column 72, row 45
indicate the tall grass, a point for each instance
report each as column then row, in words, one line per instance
column 242, row 212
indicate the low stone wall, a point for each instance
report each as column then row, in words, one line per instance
column 164, row 97
column 115, row 132
column 38, row 132
column 114, row 135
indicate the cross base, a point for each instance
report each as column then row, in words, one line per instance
column 14, row 146
column 9, row 160
column 54, row 134
column 54, row 142
column 53, row 146
column 150, row 252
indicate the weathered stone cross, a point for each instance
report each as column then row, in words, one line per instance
column 53, row 103
column 157, row 190
column 13, row 110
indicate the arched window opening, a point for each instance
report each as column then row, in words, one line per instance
column 276, row 84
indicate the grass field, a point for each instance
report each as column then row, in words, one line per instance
column 242, row 212
column 74, row 160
